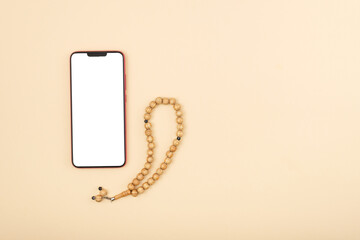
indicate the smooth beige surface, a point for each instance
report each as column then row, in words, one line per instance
column 271, row 100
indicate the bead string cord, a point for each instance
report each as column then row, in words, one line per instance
column 132, row 188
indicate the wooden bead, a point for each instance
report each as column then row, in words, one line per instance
column 131, row 186
column 147, row 116
column 147, row 125
column 165, row 101
column 148, row 109
column 134, row 193
column 163, row 166
column 167, row 160
column 136, row 182
column 98, row 198
column 158, row 100
column 150, row 139
column 148, row 132
column 159, row 171
column 152, row 104
column 178, row 113
column 151, row 145
column 140, row 190
column 147, row 165
column 140, row 176
column 144, row 171
column 169, row 154
column 150, row 152
column 150, row 159
column 172, row 101
column 172, row 148
column 179, row 133
column 146, row 185
column 155, row 176
column 103, row 192
column 177, row 106
column 176, row 142
column 151, row 181
column 180, row 127
column 179, row 120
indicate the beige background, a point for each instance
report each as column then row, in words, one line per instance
column 270, row 91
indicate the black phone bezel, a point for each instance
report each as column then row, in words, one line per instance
column 99, row 54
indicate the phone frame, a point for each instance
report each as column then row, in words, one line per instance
column 124, row 100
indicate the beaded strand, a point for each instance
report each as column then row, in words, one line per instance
column 133, row 188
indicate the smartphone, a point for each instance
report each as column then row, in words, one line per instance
column 98, row 109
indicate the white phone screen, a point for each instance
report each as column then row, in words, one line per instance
column 97, row 109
